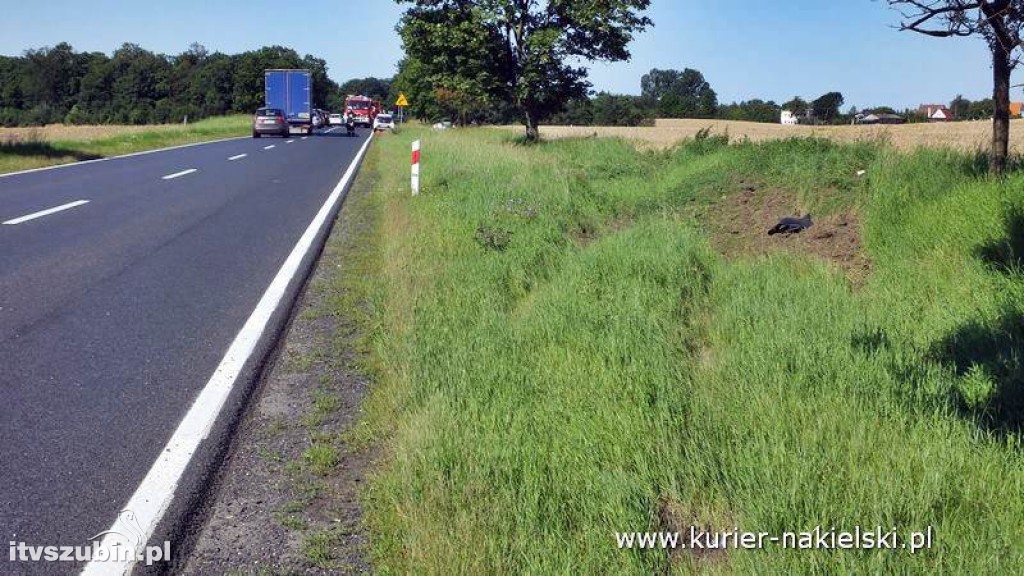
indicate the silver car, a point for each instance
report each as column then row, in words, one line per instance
column 269, row 121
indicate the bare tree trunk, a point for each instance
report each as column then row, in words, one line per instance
column 1001, row 117
column 532, row 134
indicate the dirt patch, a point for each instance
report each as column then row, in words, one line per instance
column 288, row 498
column 586, row 234
column 740, row 224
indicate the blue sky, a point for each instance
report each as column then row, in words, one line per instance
column 745, row 48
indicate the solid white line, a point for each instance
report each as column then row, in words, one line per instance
column 143, row 153
column 289, row 141
column 179, row 174
column 238, row 157
column 269, row 147
column 154, row 495
column 46, row 212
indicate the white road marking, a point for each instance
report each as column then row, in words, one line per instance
column 152, row 498
column 143, row 153
column 331, row 130
column 179, row 174
column 46, row 212
column 289, row 141
column 304, row 137
column 238, row 157
column 269, row 147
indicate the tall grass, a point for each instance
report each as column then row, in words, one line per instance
column 560, row 355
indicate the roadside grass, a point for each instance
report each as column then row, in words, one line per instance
column 34, row 150
column 560, row 355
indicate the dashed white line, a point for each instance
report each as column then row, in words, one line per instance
column 46, row 212
column 180, row 174
column 289, row 141
column 238, row 157
column 304, row 137
column 269, row 147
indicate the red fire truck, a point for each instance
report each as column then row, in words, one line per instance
column 363, row 109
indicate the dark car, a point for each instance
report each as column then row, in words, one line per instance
column 269, row 121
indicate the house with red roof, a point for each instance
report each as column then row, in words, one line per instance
column 935, row 112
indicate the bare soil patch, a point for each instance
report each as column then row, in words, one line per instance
column 740, row 224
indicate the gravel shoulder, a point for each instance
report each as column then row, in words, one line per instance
column 288, row 498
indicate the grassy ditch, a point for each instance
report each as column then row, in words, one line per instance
column 564, row 350
column 25, row 149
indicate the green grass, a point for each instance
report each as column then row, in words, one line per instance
column 560, row 355
column 321, row 457
column 37, row 153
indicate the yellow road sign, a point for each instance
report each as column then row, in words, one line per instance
column 401, row 100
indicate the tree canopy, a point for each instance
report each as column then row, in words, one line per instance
column 137, row 86
column 678, row 94
column 826, row 107
column 520, row 52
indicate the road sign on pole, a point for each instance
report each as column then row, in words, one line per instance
column 402, row 102
column 415, row 167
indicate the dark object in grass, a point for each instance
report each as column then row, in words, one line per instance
column 790, row 225
column 493, row 238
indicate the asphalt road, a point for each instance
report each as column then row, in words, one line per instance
column 116, row 309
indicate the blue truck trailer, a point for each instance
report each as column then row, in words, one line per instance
column 292, row 91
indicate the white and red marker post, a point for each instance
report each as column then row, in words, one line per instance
column 415, row 167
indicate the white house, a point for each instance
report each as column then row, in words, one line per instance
column 788, row 118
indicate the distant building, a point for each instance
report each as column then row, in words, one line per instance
column 935, row 112
column 880, row 119
column 799, row 117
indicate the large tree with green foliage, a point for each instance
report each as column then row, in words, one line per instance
column 678, row 94
column 826, row 106
column 1000, row 24
column 518, row 52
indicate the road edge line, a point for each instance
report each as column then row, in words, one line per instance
column 159, row 487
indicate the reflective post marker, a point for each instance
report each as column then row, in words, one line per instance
column 416, row 167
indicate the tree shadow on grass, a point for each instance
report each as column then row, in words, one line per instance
column 44, row 150
column 1006, row 254
column 988, row 358
column 976, row 164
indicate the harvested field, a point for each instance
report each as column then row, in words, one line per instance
column 66, row 133
column 963, row 136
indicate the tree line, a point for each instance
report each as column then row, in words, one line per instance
column 137, row 86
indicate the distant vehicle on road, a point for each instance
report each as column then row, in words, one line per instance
column 363, row 109
column 291, row 91
column 270, row 121
column 384, row 122
column 336, row 120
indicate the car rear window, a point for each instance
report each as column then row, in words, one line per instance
column 269, row 112
column 384, row 117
